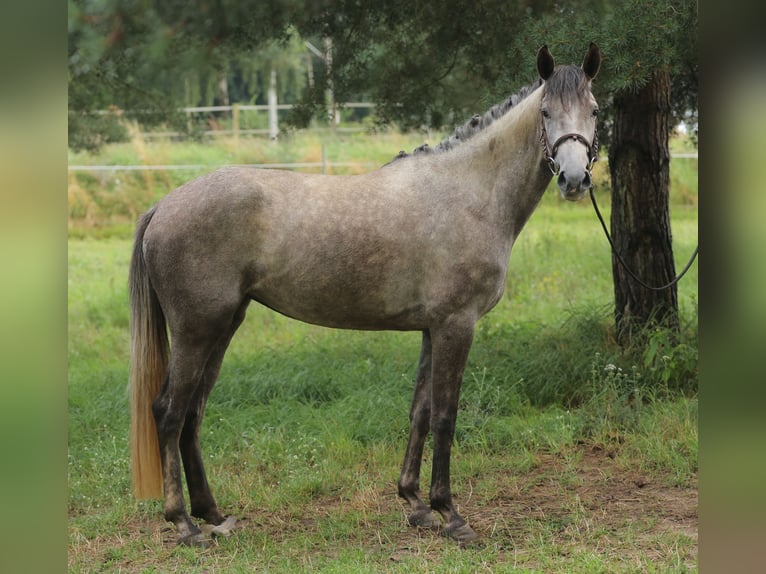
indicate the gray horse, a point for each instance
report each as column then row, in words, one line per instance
column 420, row 244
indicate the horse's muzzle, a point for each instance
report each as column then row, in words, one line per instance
column 574, row 186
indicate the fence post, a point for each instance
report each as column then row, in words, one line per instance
column 272, row 97
column 332, row 107
column 235, row 122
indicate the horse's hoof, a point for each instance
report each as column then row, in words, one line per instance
column 424, row 519
column 461, row 533
column 223, row 529
column 197, row 540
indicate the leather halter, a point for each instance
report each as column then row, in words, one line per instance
column 549, row 153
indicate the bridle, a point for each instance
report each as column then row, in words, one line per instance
column 549, row 152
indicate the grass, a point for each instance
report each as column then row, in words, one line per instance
column 571, row 454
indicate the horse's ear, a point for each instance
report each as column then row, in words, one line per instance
column 545, row 63
column 592, row 61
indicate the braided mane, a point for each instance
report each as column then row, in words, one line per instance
column 473, row 126
column 565, row 82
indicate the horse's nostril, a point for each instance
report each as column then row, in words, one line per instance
column 586, row 181
column 562, row 180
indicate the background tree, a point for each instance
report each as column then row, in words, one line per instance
column 647, row 83
column 424, row 63
column 663, row 43
column 151, row 59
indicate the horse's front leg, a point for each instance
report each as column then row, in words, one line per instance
column 420, row 420
column 450, row 345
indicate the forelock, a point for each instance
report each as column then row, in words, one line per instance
column 567, row 83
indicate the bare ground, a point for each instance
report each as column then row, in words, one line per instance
column 583, row 503
column 589, row 503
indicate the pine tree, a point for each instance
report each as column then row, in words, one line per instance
column 659, row 62
column 647, row 83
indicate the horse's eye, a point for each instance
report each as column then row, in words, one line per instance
column 546, row 115
column 595, row 112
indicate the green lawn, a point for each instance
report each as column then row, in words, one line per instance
column 572, row 454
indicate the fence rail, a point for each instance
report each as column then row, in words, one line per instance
column 251, row 131
column 297, row 165
column 233, row 110
column 196, row 166
column 242, row 107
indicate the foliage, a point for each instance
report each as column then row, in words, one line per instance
column 424, row 63
column 636, row 38
column 90, row 131
column 147, row 61
column 672, row 363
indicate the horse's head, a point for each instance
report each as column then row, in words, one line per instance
column 569, row 113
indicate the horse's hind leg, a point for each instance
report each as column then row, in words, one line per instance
column 193, row 344
column 420, row 417
column 202, row 502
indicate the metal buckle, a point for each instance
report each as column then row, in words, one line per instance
column 553, row 165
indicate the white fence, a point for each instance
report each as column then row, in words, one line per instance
column 324, row 164
column 236, row 128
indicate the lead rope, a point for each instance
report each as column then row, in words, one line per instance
column 625, row 266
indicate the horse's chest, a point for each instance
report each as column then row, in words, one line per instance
column 490, row 287
column 476, row 285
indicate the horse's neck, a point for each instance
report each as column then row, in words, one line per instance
column 505, row 164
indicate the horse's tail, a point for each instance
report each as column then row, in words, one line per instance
column 148, row 364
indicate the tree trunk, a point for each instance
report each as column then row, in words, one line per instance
column 332, row 108
column 223, row 88
column 639, row 162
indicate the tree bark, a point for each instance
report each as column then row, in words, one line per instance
column 223, row 88
column 639, row 165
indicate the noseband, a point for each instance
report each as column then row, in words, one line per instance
column 549, row 153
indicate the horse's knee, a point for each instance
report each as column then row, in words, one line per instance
column 420, row 418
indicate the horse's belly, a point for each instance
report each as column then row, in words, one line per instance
column 354, row 297
column 399, row 297
column 345, row 310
